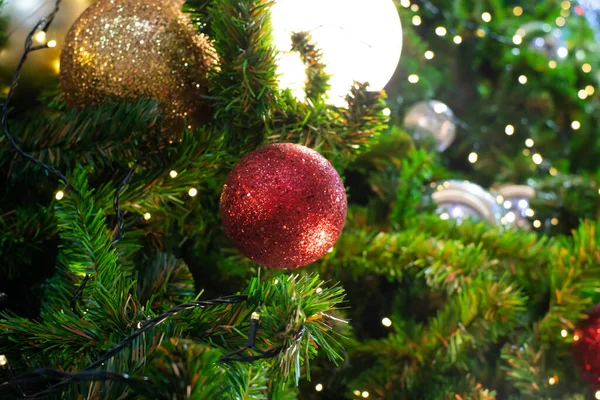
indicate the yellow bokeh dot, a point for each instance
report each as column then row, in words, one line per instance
column 518, row 11
column 486, row 16
column 147, row 216
column 537, row 223
column 416, row 20
column 473, row 157
column 386, row 322
column 509, row 130
column 413, row 78
column 59, row 195
column 457, row 39
column 586, row 68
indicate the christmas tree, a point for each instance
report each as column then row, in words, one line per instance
column 182, row 217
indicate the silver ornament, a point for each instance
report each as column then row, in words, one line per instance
column 515, row 201
column 459, row 200
column 431, row 119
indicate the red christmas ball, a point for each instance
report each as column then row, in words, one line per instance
column 586, row 347
column 283, row 205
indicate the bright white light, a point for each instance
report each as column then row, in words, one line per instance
column 365, row 394
column 293, row 74
column 413, row 78
column 510, row 217
column 537, row 158
column 440, row 108
column 445, row 216
column 517, row 39
column 473, row 157
column 537, row 223
column 59, row 195
column 529, row 142
column 51, row 43
column 522, row 79
column 507, row 204
column 575, row 125
column 552, row 381
column 486, row 16
column 3, row 360
column 173, row 174
column 147, row 216
column 582, row 94
column 416, row 20
column 386, row 322
column 530, row 213
column 319, row 387
column 457, row 39
column 440, row 31
column 387, row 112
column 429, row 54
column 40, row 37
column 359, row 42
column 509, row 130
column 193, row 192
column 562, row 52
column 597, row 395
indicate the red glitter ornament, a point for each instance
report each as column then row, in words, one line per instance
column 283, row 205
column 586, row 347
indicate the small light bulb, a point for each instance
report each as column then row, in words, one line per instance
column 386, row 322
column 560, row 21
column 147, row 216
column 537, row 223
column 3, row 360
column 499, row 199
column 429, row 54
column 529, row 212
column 365, row 394
column 486, row 16
column 440, row 31
column 566, row 4
column 522, row 79
column 554, row 221
column 537, row 158
column 509, row 130
column 413, row 78
column 59, row 195
column 386, row 112
column 529, row 142
column 445, row 216
column 457, row 39
column 507, row 204
column 517, row 39
column 173, row 174
column 576, row 337
column 597, row 395
column 357, row 392
column 552, row 64
column 318, row 290
column 416, row 20
column 582, row 94
column 552, row 381
column 414, row 7
column 319, row 387
column 553, row 171
column 51, row 43
column 587, row 68
column 526, row 152
column 40, row 37
column 565, row 13
column 405, row 3
column 193, row 192
column 589, row 89
column 575, row 125
column 480, row 32
column 473, row 157
column 518, row 11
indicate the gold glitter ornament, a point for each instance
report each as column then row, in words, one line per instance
column 129, row 49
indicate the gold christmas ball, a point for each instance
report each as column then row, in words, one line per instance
column 129, row 49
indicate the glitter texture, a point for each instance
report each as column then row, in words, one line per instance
column 128, row 49
column 586, row 347
column 283, row 206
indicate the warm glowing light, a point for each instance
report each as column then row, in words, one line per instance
column 365, row 394
column 554, row 221
column 51, row 43
column 575, row 125
column 318, row 290
column 589, row 89
column 358, row 43
column 473, row 157
column 357, row 392
column 522, row 79
column 582, row 94
column 597, row 395
column 518, row 11
column 319, row 387
column 147, row 216
column 413, row 78
column 445, row 216
column 56, row 65
column 564, row 333
column 457, row 39
column 565, row 13
column 386, row 322
column 552, row 64
column 509, row 130
column 193, row 192
column 3, row 360
column 499, row 199
column 565, row 4
column 416, row 20
column 517, row 39
column 480, row 32
column 173, row 174
column 405, row 3
column 537, row 223
column 586, row 68
column 387, row 112
column 486, row 16
column 414, row 7
column 537, row 158
column 40, row 37
column 429, row 54
column 529, row 212
column 529, row 142
column 59, row 195
column 440, row 31
column 560, row 21
column 553, row 171
column 526, row 152
column 552, row 381
column 575, row 337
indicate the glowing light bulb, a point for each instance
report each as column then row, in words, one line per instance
column 552, row 381
column 589, row 89
column 575, row 125
column 193, row 192
column 386, row 322
column 429, row 54
column 517, row 39
column 444, row 216
column 357, row 392
column 51, row 43
column 486, row 16
column 318, row 290
column 562, row 52
column 405, row 3
column 518, row 11
column 147, row 216
column 554, row 221
column 537, row 223
column 537, row 158
column 522, row 79
column 560, row 21
column 529, row 142
column 457, row 39
column 552, row 64
column 413, row 78
column 480, row 32
column 414, row 7
column 529, row 212
column 473, row 157
column 365, row 394
column 40, row 37
column 173, row 174
column 359, row 43
column 499, row 199
column 59, row 195
column 319, row 387
column 440, row 31
column 597, row 395
column 587, row 68
column 565, row 4
column 582, row 94
column 416, row 20
column 509, row 130
column 3, row 360
column 553, row 171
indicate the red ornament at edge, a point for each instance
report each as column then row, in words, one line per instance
column 586, row 347
column 283, row 205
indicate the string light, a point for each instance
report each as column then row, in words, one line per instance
column 526, row 152
column 414, row 7
column 56, row 65
column 575, row 125
column 576, row 337
column 480, row 32
column 318, row 290
column 51, row 43
column 552, row 381
column 565, row 4
column 486, row 17
column 522, row 79
column 173, row 174
column 59, row 195
column 554, row 221
column 457, row 39
column 565, row 13
column 416, row 20
column 3, row 360
column 553, row 171
column 582, row 94
column 40, row 37
column 405, row 3
column 193, row 192
column 413, row 78
column 587, row 68
column 518, row 11
column 365, row 394
column 562, row 52
column 589, row 89
column 597, row 395
column 529, row 212
column 386, row 322
column 429, row 54
column 560, row 21
column 386, row 112
column 537, row 158
column 444, row 216
column 509, row 130
column 517, row 39
column 499, row 199
column 529, row 142
column 537, row 223
column 473, row 157
column 357, row 392
column 319, row 387
column 440, row 31
column 147, row 216
column 552, row 64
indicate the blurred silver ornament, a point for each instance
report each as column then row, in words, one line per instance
column 515, row 202
column 459, row 200
column 431, row 119
column 544, row 39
